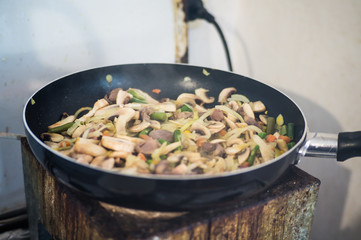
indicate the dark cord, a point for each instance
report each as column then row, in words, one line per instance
column 196, row 10
column 219, row 30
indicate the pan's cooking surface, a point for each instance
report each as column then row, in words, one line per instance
column 81, row 89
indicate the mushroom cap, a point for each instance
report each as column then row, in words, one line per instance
column 202, row 94
column 225, row 93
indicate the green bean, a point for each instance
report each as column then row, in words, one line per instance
column 252, row 156
column 262, row 135
column 283, row 130
column 61, row 128
column 186, row 108
column 160, row 116
column 161, row 141
column 290, row 130
column 177, row 135
column 270, row 125
column 146, row 131
column 291, row 144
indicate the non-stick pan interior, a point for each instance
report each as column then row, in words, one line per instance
column 81, row 89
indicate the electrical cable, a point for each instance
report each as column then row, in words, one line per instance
column 195, row 10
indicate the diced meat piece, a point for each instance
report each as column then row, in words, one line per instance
column 163, row 167
column 163, row 134
column 113, row 95
column 251, row 121
column 148, row 146
column 208, row 147
column 217, row 115
column 214, row 149
column 219, row 151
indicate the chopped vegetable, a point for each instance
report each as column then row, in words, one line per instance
column 160, row 116
column 61, row 128
column 291, row 145
column 262, row 134
column 156, row 91
column 279, row 120
column 270, row 125
column 285, row 138
column 181, row 136
column 290, row 130
column 283, row 130
column 239, row 97
column 205, row 72
column 32, row 101
column 109, row 78
column 186, row 108
column 252, row 156
column 271, row 138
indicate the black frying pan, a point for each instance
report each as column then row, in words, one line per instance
column 154, row 192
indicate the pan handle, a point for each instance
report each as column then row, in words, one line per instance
column 343, row 146
column 349, row 145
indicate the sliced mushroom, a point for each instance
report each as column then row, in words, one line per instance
column 248, row 110
column 234, row 105
column 86, row 146
column 123, row 97
column 263, row 119
column 138, row 128
column 258, row 106
column 108, row 111
column 117, row 144
column 199, row 108
column 154, row 124
column 97, row 105
column 166, row 107
column 232, row 141
column 201, row 130
column 230, row 123
column 54, row 137
column 126, row 114
column 171, row 147
column 188, row 98
column 243, row 156
column 215, row 126
column 225, row 93
column 202, row 94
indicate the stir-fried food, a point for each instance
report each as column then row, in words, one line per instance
column 131, row 132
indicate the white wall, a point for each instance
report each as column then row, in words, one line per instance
column 42, row 40
column 311, row 50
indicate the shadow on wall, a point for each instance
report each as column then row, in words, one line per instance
column 334, row 177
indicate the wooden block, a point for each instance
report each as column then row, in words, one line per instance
column 284, row 211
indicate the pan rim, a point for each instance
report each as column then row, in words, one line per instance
column 155, row 177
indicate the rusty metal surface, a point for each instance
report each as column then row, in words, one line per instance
column 284, row 211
